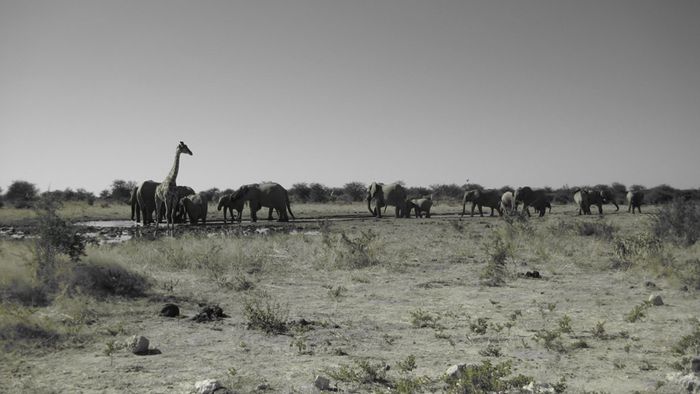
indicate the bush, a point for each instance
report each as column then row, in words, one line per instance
column 356, row 191
column 599, row 230
column 103, row 279
column 24, row 293
column 266, row 314
column 300, row 192
column 359, row 252
column 21, row 194
column 56, row 237
column 486, row 378
column 678, row 221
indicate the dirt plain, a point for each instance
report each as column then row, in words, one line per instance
column 352, row 289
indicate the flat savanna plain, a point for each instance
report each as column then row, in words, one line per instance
column 355, row 296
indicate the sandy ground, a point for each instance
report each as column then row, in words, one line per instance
column 428, row 267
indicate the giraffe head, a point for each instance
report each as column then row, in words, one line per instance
column 182, row 148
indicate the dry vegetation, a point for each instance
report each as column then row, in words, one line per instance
column 375, row 305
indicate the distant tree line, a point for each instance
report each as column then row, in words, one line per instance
column 23, row 194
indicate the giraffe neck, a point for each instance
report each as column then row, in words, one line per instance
column 173, row 171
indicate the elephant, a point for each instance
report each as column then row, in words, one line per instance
column 182, row 191
column 384, row 195
column 635, row 200
column 146, row 201
column 225, row 203
column 482, row 198
column 584, row 198
column 507, row 202
column 541, row 204
column 420, row 205
column 195, row 206
column 133, row 201
column 537, row 199
column 269, row 194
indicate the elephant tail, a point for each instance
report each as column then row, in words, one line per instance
column 289, row 206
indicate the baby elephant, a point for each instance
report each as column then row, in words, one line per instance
column 195, row 206
column 420, row 205
column 226, row 203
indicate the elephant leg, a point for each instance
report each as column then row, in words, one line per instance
column 491, row 212
column 600, row 209
column 427, row 214
column 526, row 208
column 269, row 214
column 397, row 211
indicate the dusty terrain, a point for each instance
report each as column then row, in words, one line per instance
column 369, row 290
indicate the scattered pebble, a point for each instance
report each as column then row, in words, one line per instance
column 454, row 371
column 656, row 300
column 207, row 386
column 322, row 383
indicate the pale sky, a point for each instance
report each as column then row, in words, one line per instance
column 539, row 93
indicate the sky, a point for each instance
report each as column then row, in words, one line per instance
column 539, row 93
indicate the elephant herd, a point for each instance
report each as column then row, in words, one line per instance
column 193, row 206
column 395, row 195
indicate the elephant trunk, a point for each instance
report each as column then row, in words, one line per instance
column 369, row 205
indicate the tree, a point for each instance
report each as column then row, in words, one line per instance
column 318, row 193
column 21, row 194
column 300, row 192
column 356, row 191
column 121, row 190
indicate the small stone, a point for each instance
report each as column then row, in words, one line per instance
column 263, row 387
column 454, row 371
column 170, row 310
column 695, row 365
column 322, row 383
column 656, row 300
column 207, row 386
column 650, row 284
column 138, row 344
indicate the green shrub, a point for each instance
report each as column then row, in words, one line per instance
column 362, row 372
column 678, row 221
column 643, row 245
column 56, row 237
column 486, row 378
column 421, row 319
column 599, row 230
column 104, row 279
column 266, row 314
column 357, row 252
column 23, row 292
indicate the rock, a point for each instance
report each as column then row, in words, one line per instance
column 170, row 310
column 322, row 383
column 695, row 365
column 689, row 383
column 207, row 386
column 138, row 344
column 650, row 284
column 656, row 300
column 454, row 371
column 538, row 388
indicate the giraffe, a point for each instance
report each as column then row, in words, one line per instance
column 166, row 192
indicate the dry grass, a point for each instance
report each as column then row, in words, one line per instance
column 420, row 306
